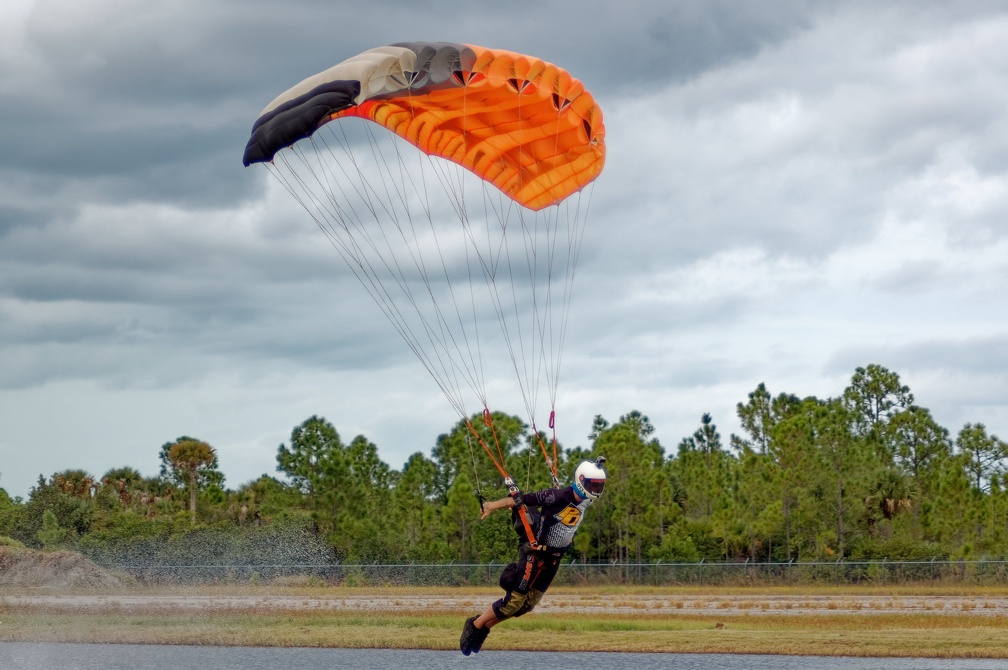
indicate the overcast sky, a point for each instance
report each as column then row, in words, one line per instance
column 792, row 190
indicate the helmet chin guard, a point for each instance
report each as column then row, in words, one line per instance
column 590, row 479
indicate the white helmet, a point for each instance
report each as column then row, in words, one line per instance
column 589, row 478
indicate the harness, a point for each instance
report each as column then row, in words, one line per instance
column 523, row 513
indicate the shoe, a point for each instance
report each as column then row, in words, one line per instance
column 469, row 637
column 478, row 638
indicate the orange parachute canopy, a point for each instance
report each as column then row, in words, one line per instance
column 518, row 122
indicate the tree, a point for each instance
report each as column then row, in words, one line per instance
column 707, row 439
column 51, row 535
column 810, row 479
column 366, row 468
column 756, row 417
column 599, row 424
column 125, row 483
column 794, row 453
column 757, row 503
column 890, row 492
column 73, row 513
column 875, row 394
column 846, row 458
column 703, row 468
column 190, row 459
column 75, row 483
column 636, row 486
column 9, row 510
column 459, row 517
column 922, row 447
column 954, row 519
column 315, row 448
column 268, row 498
column 824, row 466
column 984, row 454
column 462, row 451
column 368, row 487
column 920, row 443
column 413, row 500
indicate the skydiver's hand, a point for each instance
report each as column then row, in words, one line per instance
column 487, row 510
column 489, row 507
column 493, row 505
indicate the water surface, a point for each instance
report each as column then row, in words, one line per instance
column 35, row 656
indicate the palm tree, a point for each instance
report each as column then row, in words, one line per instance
column 892, row 492
column 124, row 481
column 188, row 457
column 76, row 483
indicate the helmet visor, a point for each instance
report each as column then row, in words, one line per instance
column 593, row 485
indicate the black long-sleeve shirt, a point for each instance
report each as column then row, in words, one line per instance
column 560, row 514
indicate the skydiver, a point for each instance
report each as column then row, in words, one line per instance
column 555, row 515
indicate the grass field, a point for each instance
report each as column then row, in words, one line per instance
column 905, row 621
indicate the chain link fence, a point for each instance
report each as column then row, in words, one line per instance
column 574, row 573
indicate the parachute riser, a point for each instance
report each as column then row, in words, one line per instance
column 514, row 492
column 550, row 462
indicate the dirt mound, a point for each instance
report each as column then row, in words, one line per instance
column 56, row 569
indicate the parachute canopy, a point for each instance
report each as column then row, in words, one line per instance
column 520, row 123
column 454, row 181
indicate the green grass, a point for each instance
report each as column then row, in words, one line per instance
column 748, row 627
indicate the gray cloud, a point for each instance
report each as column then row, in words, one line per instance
column 788, row 195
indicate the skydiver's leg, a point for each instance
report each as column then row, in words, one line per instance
column 540, row 569
column 488, row 619
column 516, row 579
column 478, row 628
column 546, row 566
column 545, row 576
column 475, row 631
column 510, row 605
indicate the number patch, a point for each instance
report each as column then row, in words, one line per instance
column 569, row 516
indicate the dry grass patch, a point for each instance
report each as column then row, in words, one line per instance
column 652, row 619
column 674, row 631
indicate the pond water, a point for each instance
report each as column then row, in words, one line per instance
column 34, row 656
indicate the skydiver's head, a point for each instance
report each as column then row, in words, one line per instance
column 590, row 479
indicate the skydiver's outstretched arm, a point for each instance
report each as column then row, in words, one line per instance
column 493, row 505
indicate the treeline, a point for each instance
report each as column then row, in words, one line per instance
column 867, row 474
